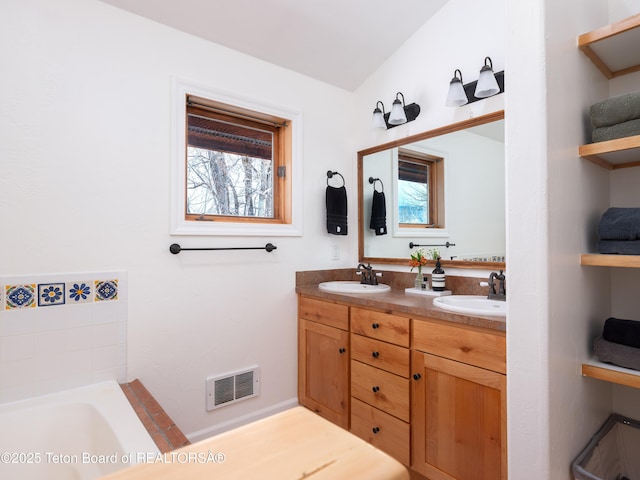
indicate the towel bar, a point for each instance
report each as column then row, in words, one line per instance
column 448, row 244
column 175, row 248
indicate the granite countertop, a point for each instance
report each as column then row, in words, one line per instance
column 398, row 302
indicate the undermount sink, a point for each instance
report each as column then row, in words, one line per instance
column 352, row 287
column 472, row 304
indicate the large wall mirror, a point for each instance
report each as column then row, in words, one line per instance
column 443, row 189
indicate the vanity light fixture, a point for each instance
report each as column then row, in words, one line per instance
column 457, row 96
column 378, row 116
column 487, row 85
column 400, row 113
column 398, row 117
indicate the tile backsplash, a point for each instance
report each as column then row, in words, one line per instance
column 60, row 331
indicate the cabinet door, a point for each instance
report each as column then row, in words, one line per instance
column 323, row 371
column 459, row 420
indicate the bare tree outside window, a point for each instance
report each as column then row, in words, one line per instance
column 221, row 183
column 230, row 165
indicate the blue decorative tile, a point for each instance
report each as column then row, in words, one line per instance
column 80, row 292
column 20, row 296
column 50, row 294
column 106, row 290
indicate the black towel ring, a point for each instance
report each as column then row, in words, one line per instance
column 373, row 181
column 330, row 174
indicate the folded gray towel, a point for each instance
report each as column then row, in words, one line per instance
column 621, row 355
column 619, row 130
column 619, row 223
column 620, row 247
column 614, row 110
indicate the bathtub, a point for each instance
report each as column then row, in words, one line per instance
column 81, row 434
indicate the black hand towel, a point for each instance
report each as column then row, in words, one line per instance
column 378, row 213
column 336, row 210
column 624, row 332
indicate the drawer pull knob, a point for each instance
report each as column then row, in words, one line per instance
column 375, row 354
column 375, row 389
column 341, row 350
column 375, row 325
column 375, row 430
column 416, row 376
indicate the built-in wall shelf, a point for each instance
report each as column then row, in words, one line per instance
column 613, row 154
column 611, row 373
column 603, row 260
column 614, row 48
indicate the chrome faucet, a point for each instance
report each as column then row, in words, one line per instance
column 502, row 290
column 369, row 276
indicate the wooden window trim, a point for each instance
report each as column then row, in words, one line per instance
column 436, row 186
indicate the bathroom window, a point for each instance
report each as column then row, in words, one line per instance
column 420, row 190
column 236, row 168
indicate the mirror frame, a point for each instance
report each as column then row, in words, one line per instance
column 454, row 127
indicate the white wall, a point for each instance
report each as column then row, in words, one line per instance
column 85, row 186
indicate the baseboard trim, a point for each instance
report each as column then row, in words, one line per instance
column 242, row 420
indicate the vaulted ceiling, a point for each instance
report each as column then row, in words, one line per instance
column 340, row 42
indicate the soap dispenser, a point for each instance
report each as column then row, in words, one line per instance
column 438, row 277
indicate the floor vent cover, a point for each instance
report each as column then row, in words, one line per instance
column 232, row 387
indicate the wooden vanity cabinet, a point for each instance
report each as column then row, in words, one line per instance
column 458, row 412
column 428, row 392
column 380, row 388
column 323, row 359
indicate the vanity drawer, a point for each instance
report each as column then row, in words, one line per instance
column 381, row 430
column 474, row 346
column 383, row 390
column 386, row 356
column 383, row 326
column 327, row 313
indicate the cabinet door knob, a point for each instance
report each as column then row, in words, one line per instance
column 375, row 389
column 416, row 376
column 375, row 354
column 375, row 325
column 375, row 430
column 341, row 350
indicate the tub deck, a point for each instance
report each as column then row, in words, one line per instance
column 159, row 425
